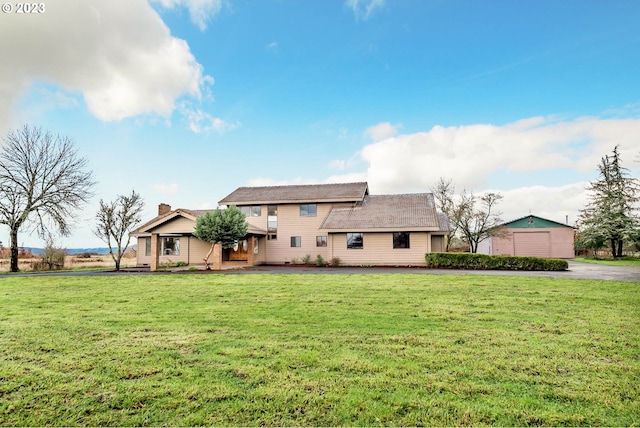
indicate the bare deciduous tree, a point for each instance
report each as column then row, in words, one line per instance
column 472, row 216
column 43, row 182
column 115, row 220
column 443, row 193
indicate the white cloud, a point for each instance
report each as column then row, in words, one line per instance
column 559, row 204
column 118, row 55
column 382, row 131
column 262, row 181
column 166, row 189
column 200, row 11
column 363, row 9
column 339, row 164
column 272, row 47
column 471, row 155
column 201, row 121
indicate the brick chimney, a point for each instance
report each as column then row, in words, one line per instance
column 164, row 209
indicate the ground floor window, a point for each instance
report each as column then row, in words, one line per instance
column 355, row 241
column 147, row 246
column 171, row 246
column 401, row 240
column 321, row 241
column 296, row 241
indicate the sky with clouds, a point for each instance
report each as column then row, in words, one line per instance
column 186, row 100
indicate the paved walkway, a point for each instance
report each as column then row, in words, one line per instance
column 576, row 270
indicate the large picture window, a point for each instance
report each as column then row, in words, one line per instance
column 401, row 240
column 308, row 210
column 355, row 241
column 171, row 246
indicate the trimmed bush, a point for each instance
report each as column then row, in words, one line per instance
column 483, row 261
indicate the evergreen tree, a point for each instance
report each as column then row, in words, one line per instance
column 611, row 214
column 226, row 226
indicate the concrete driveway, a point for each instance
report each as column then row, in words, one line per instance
column 576, row 270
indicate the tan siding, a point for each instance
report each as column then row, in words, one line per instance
column 261, row 257
column 290, row 223
column 141, row 259
column 198, row 251
column 260, row 221
column 378, row 250
column 177, row 225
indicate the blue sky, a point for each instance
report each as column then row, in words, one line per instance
column 185, row 100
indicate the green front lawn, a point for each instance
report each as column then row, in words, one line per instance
column 622, row 261
column 318, row 350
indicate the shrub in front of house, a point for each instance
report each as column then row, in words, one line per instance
column 483, row 261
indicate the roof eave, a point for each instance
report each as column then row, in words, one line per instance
column 288, row 201
column 383, row 229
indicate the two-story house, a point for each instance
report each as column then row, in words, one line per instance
column 286, row 223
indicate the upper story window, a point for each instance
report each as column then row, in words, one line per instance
column 355, row 241
column 308, row 210
column 272, row 218
column 251, row 210
column 401, row 240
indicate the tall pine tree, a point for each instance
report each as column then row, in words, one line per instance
column 612, row 212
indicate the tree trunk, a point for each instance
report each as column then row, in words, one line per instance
column 14, row 248
column 613, row 248
column 619, row 247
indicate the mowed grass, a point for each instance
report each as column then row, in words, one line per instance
column 318, row 350
column 622, row 261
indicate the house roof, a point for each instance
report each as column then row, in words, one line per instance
column 161, row 219
column 146, row 228
column 415, row 211
column 531, row 222
column 336, row 192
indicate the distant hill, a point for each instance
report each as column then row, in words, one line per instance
column 72, row 251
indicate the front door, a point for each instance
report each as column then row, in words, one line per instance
column 240, row 252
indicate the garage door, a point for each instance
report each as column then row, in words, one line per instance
column 536, row 244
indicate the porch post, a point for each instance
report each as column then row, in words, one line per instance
column 250, row 246
column 155, row 251
column 216, row 256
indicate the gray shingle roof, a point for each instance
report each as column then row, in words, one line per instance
column 337, row 192
column 415, row 211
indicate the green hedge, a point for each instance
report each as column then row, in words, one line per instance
column 483, row 261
